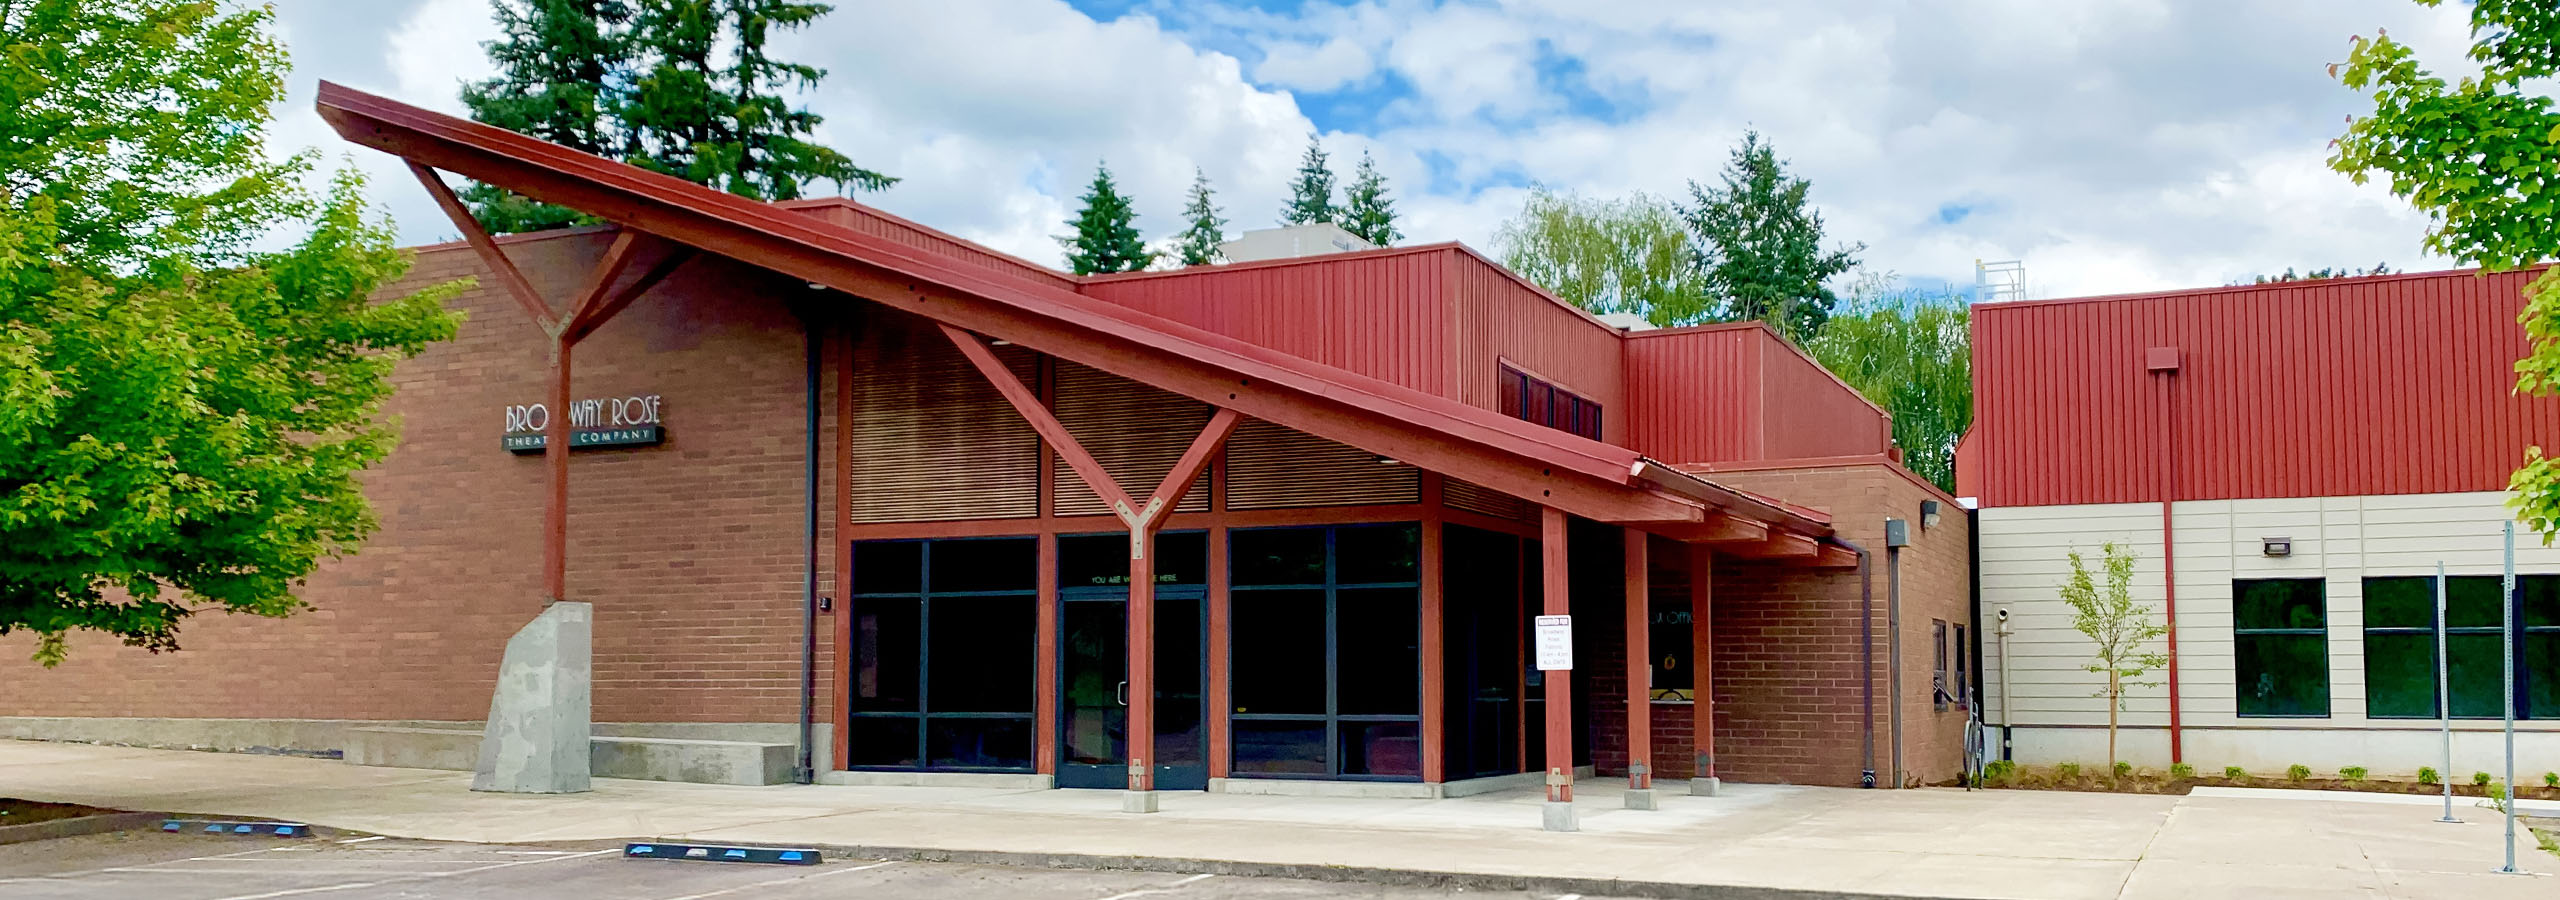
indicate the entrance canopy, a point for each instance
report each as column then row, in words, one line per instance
column 1545, row 466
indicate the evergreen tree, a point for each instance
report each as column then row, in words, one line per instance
column 705, row 100
column 555, row 63
column 1200, row 242
column 1760, row 247
column 1106, row 237
column 1311, row 196
column 1366, row 211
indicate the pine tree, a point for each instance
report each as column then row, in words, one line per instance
column 1366, row 211
column 1106, row 236
column 555, row 63
column 1311, row 196
column 1200, row 242
column 704, row 101
column 1760, row 246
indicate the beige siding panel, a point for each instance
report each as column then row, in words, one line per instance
column 2024, row 561
column 932, row 440
column 1136, row 431
column 1270, row 467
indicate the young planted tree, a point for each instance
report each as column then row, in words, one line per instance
column 1759, row 245
column 705, row 100
column 1311, row 194
column 1200, row 239
column 1912, row 354
column 1626, row 255
column 182, row 412
column 556, row 63
column 2481, row 157
column 2120, row 630
column 1366, row 211
column 1106, row 231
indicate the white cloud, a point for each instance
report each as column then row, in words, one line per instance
column 2113, row 144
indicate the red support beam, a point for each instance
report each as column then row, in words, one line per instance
column 1142, row 667
column 1028, row 404
column 499, row 266
column 1221, row 617
column 593, row 316
column 1702, row 568
column 1639, row 672
column 555, row 460
column 1779, row 546
column 618, row 256
column 1187, row 469
column 1557, row 598
column 1434, row 631
column 1719, row 528
column 1044, row 702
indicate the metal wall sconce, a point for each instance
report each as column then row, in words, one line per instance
column 2276, row 546
column 1929, row 514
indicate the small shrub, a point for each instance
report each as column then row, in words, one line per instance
column 2235, row 773
column 2067, row 770
column 2495, row 797
column 2124, row 769
column 2480, row 779
column 2297, row 772
column 1998, row 771
column 2551, row 779
column 2427, row 775
column 2351, row 773
column 2181, row 771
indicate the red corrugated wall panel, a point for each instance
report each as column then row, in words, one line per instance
column 2390, row 385
column 1808, row 412
column 880, row 224
column 1383, row 314
column 1696, row 393
column 1496, row 317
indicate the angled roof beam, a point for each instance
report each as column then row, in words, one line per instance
column 499, row 266
column 1780, row 546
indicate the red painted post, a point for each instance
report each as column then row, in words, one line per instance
column 1702, row 570
column 1044, row 702
column 555, row 457
column 1221, row 641
column 1559, row 682
column 1142, row 669
column 1434, row 653
column 1639, row 676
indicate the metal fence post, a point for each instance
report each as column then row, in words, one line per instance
column 2507, row 648
column 2444, row 700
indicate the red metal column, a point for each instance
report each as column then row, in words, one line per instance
column 1558, row 601
column 1142, row 665
column 1639, row 675
column 1702, row 570
column 555, row 458
column 1221, row 645
column 1434, row 633
column 1044, row 693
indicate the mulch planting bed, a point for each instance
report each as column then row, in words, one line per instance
column 2147, row 782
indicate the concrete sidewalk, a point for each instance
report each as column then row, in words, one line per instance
column 1922, row 843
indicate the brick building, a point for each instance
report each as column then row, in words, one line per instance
column 920, row 511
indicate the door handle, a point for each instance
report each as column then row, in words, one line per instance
column 1122, row 692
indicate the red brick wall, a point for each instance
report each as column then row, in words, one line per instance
column 691, row 551
column 1787, row 668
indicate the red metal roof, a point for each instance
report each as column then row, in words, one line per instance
column 1594, row 479
column 2382, row 385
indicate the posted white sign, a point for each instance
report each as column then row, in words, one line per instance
column 1554, row 643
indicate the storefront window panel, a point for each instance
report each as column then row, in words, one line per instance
column 1327, row 672
column 883, row 742
column 2400, row 646
column 1102, row 560
column 886, row 661
column 1379, row 651
column 1279, row 652
column 1377, row 554
column 981, row 653
column 1280, row 747
column 1278, row 556
column 976, row 566
column 943, row 653
column 2280, row 644
column 888, row 567
column 971, row 743
column 1392, row 749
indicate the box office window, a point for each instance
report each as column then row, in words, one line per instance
column 2280, row 647
column 2400, row 646
column 943, row 638
column 1327, row 652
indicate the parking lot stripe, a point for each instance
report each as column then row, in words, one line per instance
column 1167, row 889
column 783, row 881
column 292, row 892
column 361, row 839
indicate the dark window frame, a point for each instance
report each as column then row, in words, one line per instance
column 2525, row 677
column 1938, row 668
column 2242, row 633
column 1529, row 398
column 1333, row 718
column 923, row 716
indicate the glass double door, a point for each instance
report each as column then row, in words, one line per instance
column 1093, row 731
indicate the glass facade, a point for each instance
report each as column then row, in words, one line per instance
column 944, row 633
column 2400, row 646
column 1326, row 649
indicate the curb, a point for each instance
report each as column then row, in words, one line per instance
column 75, row 827
column 1423, row 878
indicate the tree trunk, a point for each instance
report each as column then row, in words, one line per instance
column 2115, row 699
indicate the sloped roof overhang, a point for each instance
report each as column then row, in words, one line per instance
column 1584, row 477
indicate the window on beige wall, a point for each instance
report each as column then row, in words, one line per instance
column 2280, row 647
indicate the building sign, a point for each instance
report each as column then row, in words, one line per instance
column 607, row 422
column 1554, row 643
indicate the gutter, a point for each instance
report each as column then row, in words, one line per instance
column 803, row 768
column 1867, row 659
column 1721, row 498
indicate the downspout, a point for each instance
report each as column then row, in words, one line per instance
column 2164, row 363
column 1893, row 655
column 1867, row 658
column 804, row 769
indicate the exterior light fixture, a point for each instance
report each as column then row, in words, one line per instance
column 2276, row 546
column 1386, row 460
column 1929, row 514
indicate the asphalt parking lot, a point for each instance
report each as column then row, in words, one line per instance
column 200, row 867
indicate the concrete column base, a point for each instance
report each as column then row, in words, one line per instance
column 1558, row 816
column 1138, row 801
column 1706, row 787
column 539, row 734
column 1642, row 799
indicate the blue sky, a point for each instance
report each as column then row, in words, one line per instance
column 2112, row 144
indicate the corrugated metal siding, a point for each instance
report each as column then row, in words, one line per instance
column 880, row 224
column 1135, row 431
column 2361, row 386
column 1270, row 467
column 1808, row 413
column 1696, row 395
column 1476, row 498
column 1384, row 316
column 932, row 440
column 1498, row 318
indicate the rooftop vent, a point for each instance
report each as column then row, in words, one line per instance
column 1290, row 242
